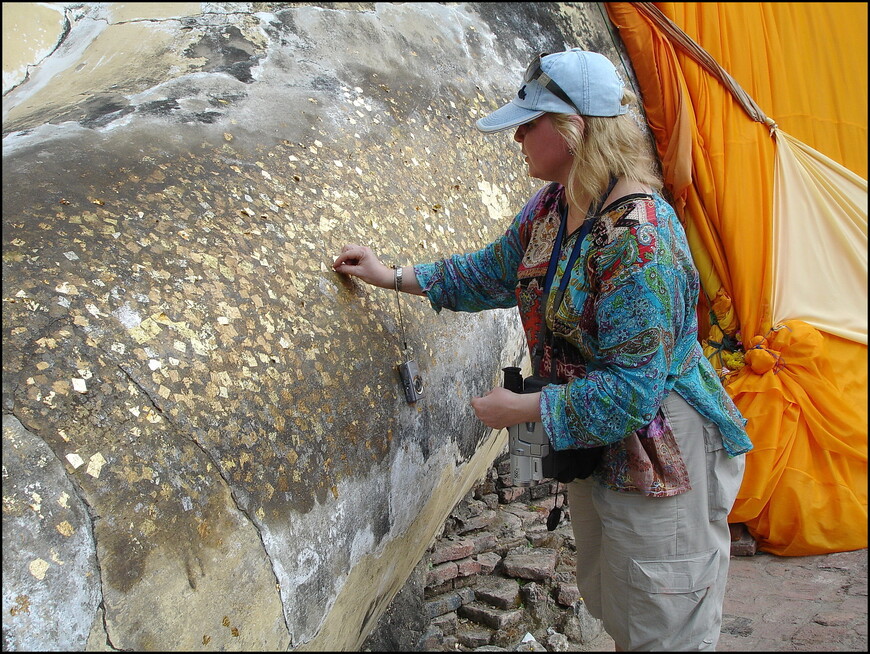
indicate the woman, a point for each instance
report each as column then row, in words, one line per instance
column 619, row 340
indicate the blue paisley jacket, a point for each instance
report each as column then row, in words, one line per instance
column 628, row 319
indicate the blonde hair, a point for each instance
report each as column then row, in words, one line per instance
column 606, row 147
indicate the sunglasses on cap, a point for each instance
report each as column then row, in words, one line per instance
column 535, row 73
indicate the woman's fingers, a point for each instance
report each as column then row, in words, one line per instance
column 351, row 255
column 361, row 261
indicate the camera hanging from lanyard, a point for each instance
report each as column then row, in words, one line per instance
column 409, row 374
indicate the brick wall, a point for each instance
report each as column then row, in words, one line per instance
column 496, row 574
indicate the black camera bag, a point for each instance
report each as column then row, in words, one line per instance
column 564, row 465
column 568, row 465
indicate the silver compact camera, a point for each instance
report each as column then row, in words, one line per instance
column 529, row 451
column 412, row 382
column 528, row 443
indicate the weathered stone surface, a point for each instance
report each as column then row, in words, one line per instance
column 448, row 623
column 479, row 521
column 742, row 542
column 177, row 179
column 488, row 561
column 451, row 550
column 582, row 627
column 515, row 494
column 468, row 567
column 441, row 573
column 550, row 608
column 434, row 590
column 484, row 542
column 51, row 582
column 529, row 515
column 431, row 639
column 404, row 624
column 472, row 637
column 490, row 616
column 448, row 603
column 567, row 593
column 557, row 642
column 540, row 605
column 539, row 536
column 530, row 644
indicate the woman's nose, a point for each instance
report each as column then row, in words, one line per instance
column 520, row 133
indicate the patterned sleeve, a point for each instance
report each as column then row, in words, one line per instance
column 639, row 312
column 485, row 279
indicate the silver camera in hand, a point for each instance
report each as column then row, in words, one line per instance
column 529, row 447
column 412, row 382
column 527, row 441
column 532, row 458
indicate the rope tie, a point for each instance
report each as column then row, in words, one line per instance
column 704, row 59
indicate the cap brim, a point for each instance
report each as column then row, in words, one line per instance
column 508, row 116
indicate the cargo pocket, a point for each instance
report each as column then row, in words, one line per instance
column 724, row 474
column 668, row 611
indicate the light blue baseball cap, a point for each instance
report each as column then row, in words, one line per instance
column 572, row 82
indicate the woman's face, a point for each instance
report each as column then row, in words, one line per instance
column 545, row 149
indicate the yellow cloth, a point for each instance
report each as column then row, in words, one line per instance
column 804, row 391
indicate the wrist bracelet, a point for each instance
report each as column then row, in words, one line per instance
column 398, row 278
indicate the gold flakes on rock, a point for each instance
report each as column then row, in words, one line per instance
column 38, row 568
column 229, row 265
column 74, row 460
column 65, row 529
column 22, row 605
column 95, row 465
column 145, row 331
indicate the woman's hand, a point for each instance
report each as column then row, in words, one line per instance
column 502, row 408
column 361, row 262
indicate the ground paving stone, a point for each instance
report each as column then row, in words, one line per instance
column 802, row 604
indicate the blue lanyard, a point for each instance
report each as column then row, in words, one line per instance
column 557, row 250
column 583, row 232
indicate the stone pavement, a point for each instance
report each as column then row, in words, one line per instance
column 796, row 604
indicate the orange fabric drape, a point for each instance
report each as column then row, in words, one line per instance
column 807, row 491
column 803, row 391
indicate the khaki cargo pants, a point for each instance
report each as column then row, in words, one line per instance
column 654, row 569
